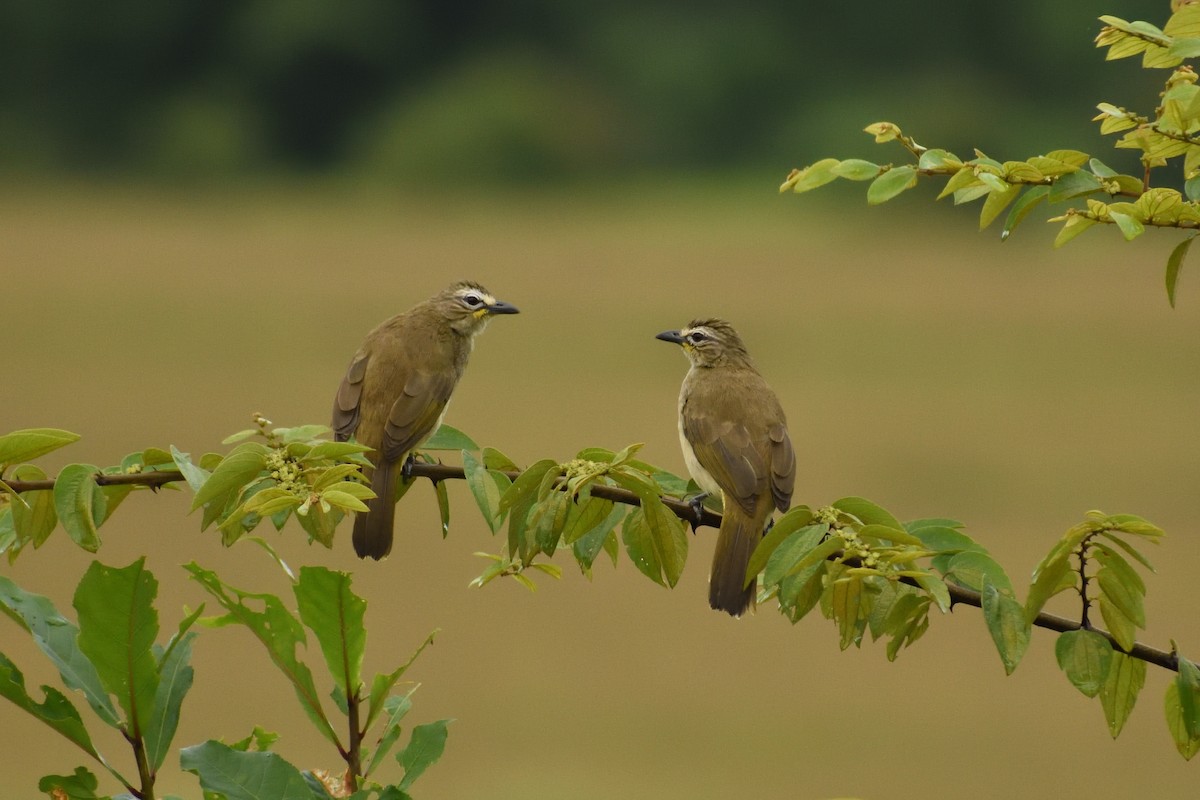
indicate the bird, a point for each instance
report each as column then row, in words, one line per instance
column 736, row 446
column 396, row 389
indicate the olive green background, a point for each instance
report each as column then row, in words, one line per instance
column 925, row 366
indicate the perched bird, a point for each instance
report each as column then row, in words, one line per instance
column 396, row 389
column 735, row 444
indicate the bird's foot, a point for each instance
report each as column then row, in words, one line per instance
column 406, row 470
column 696, row 503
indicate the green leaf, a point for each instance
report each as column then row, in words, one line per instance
column 448, row 438
column 656, row 541
column 1131, row 227
column 1006, row 622
column 589, row 544
column 394, row 710
column 35, row 518
column 235, row 472
column 424, row 749
column 1020, row 210
column 889, row 535
column 117, row 628
column 811, row 177
column 1126, row 675
column 936, row 159
column 55, row 710
column 79, row 504
column 1086, row 658
column 794, row 547
column 195, row 476
column 494, row 459
column 443, row 500
column 81, row 785
column 277, row 630
column 855, row 169
column 484, row 488
column 335, row 614
column 585, row 516
column 1188, row 684
column 1073, row 184
column 1125, row 597
column 1049, row 582
column 175, row 679
column 29, row 443
column 972, row 569
column 1185, row 744
column 1120, row 626
column 1174, row 264
column 57, row 637
column 1075, row 225
column 382, row 684
column 867, row 512
column 997, row 200
column 788, row 524
column 237, row 775
column 548, row 519
column 890, row 184
column 525, row 487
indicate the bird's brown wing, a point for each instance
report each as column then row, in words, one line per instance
column 783, row 466
column 416, row 411
column 349, row 394
column 726, row 448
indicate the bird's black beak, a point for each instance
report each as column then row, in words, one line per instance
column 501, row 307
column 670, row 336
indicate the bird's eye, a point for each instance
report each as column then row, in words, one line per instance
column 472, row 300
column 696, row 337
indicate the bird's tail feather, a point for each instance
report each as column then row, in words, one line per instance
column 739, row 535
column 373, row 528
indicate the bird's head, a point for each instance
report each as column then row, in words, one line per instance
column 709, row 343
column 467, row 306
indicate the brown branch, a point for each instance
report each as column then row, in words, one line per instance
column 681, row 509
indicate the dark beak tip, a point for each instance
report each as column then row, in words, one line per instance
column 669, row 336
column 504, row 308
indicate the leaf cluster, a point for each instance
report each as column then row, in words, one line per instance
column 1170, row 133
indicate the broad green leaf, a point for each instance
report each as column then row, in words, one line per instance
column 334, row 450
column 888, row 534
column 963, row 179
column 890, row 184
column 1133, row 552
column 278, row 631
column 547, row 520
column 1048, row 583
column 494, row 459
column 815, row 554
column 1075, row 225
column 811, row 177
column 589, row 545
column 1185, row 744
column 1126, row 598
column 1006, row 622
column 1073, row 184
column 800, row 592
column 867, row 512
column 175, row 679
column 81, row 785
column 34, row 519
column 335, row 614
column 237, row 775
column 856, row 169
column 335, row 497
column 424, row 749
column 117, row 628
column 1174, row 264
column 1085, row 657
column 30, row 443
column 1188, row 684
column 57, row 637
column 79, row 504
column 907, row 621
column 1020, row 210
column 1110, row 559
column 586, row 516
column 997, row 200
column 788, row 524
column 195, row 476
column 484, row 489
column 936, row 159
column 55, row 710
column 972, row 569
column 850, row 603
column 448, row 438
column 236, row 470
column 1120, row 626
column 936, row 587
column 1131, row 227
column 526, row 485
column 1126, row 675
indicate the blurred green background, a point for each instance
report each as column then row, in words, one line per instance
column 208, row 205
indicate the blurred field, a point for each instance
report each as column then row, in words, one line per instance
column 922, row 365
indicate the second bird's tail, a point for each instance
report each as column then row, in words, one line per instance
column 373, row 528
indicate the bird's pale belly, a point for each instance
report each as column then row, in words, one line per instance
column 695, row 469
